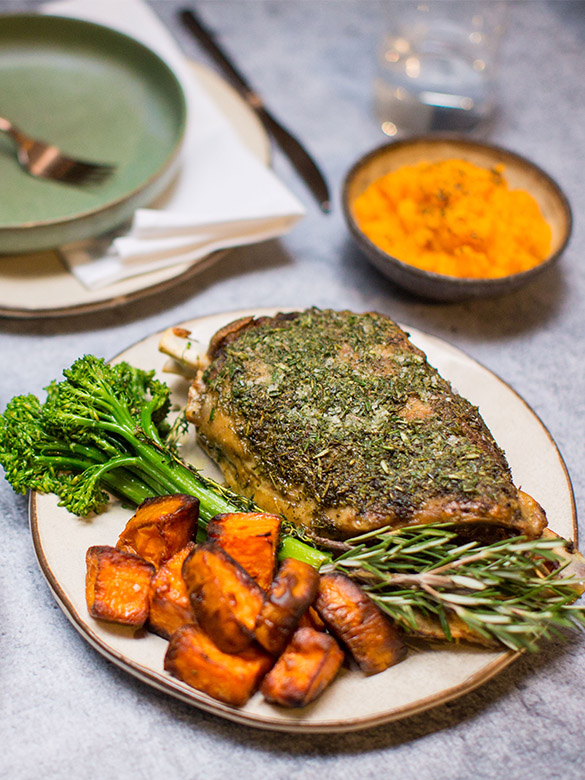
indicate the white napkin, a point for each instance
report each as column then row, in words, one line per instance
column 201, row 213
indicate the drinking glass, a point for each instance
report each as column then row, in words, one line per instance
column 437, row 65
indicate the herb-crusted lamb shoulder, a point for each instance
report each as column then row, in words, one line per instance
column 337, row 421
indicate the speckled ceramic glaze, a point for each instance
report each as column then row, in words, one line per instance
column 98, row 95
column 520, row 174
column 40, row 285
column 430, row 675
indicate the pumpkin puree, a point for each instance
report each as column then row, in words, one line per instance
column 454, row 218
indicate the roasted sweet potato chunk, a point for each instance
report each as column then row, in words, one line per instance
column 170, row 607
column 309, row 664
column 312, row 619
column 292, row 592
column 225, row 599
column 160, row 527
column 346, row 610
column 232, row 678
column 116, row 585
column 252, row 539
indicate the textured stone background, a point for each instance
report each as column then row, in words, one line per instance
column 67, row 712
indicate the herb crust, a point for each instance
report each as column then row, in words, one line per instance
column 342, row 407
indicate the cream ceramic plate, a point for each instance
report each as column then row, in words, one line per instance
column 39, row 285
column 427, row 677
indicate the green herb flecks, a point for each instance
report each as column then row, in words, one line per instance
column 344, row 400
column 103, row 429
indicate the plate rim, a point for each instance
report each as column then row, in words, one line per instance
column 113, row 34
column 201, row 701
column 195, row 698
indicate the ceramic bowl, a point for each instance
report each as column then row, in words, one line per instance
column 520, row 174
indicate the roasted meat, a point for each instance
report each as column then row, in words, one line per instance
column 337, row 421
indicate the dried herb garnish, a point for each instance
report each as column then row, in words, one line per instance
column 343, row 405
column 513, row 591
column 104, row 429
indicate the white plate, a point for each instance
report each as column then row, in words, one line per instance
column 40, row 285
column 427, row 677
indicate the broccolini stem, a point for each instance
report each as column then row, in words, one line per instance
column 121, row 483
column 292, row 547
column 126, row 486
column 210, row 504
column 148, row 426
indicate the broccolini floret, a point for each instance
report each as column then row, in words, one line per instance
column 102, row 430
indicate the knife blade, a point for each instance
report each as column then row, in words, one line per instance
column 301, row 160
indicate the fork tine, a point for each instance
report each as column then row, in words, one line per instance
column 79, row 172
column 47, row 161
column 99, row 175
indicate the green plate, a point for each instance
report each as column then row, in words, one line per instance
column 98, row 95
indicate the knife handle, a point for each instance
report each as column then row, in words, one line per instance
column 207, row 40
column 295, row 151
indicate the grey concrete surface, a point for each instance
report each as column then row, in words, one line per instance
column 65, row 712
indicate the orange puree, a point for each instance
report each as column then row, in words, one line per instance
column 454, row 218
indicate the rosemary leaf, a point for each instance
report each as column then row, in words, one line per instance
column 513, row 591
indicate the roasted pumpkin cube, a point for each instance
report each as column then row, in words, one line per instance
column 160, row 527
column 309, row 664
column 116, row 585
column 312, row 619
column 225, row 599
column 252, row 539
column 232, row 678
column 170, row 607
column 374, row 642
column 292, row 592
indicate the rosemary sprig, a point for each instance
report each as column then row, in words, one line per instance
column 511, row 591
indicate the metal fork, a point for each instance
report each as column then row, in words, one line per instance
column 48, row 162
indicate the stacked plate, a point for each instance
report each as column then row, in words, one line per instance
column 100, row 95
column 96, row 94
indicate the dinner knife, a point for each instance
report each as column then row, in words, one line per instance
column 295, row 151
